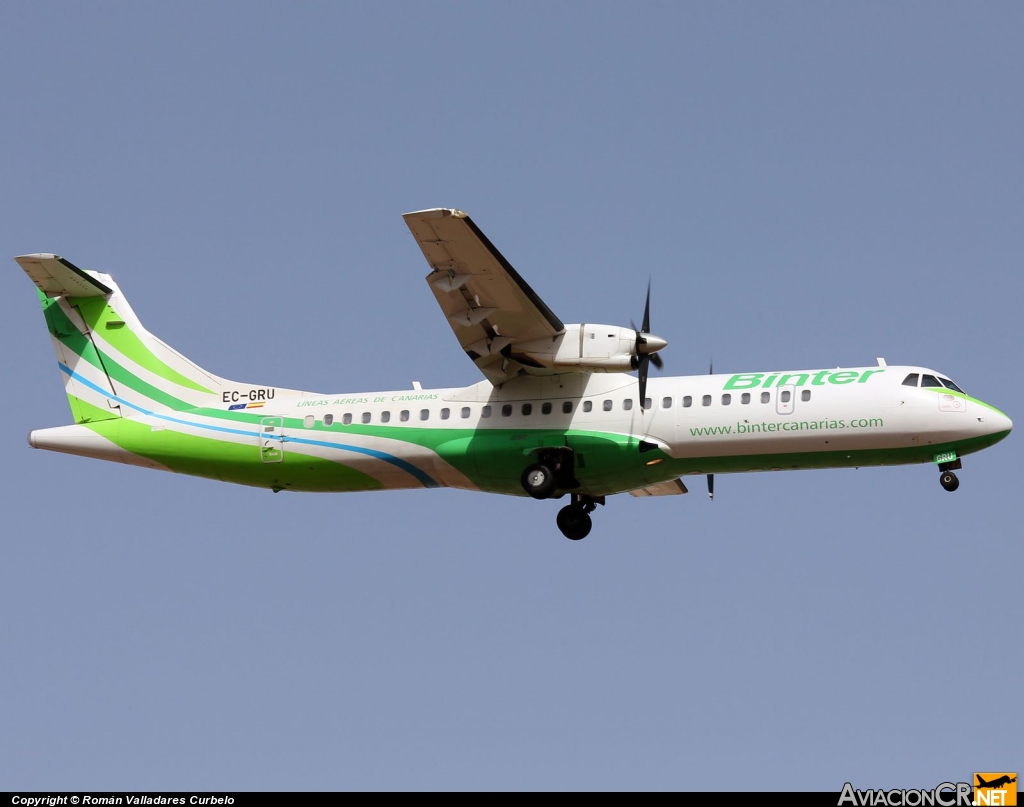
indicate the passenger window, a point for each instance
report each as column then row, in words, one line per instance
column 445, row 413
column 648, row 403
column 527, row 409
column 745, row 398
column 308, row 421
column 607, row 406
column 404, row 416
column 385, row 417
column 627, row 403
column 346, row 418
column 687, row 401
column 365, row 417
column 588, row 405
column 424, row 414
column 706, row 400
column 911, row 380
column 666, row 403
column 951, row 385
column 506, row 410
column 545, row 408
column 465, row 411
column 328, row 420
column 566, row 407
column 930, row 381
column 486, row 411
column 726, row 399
column 765, row 397
column 785, row 395
column 805, row 395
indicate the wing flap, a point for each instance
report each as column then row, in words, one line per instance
column 673, row 487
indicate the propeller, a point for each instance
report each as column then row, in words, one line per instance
column 711, row 477
column 647, row 347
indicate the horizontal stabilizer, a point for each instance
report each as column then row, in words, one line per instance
column 673, row 487
column 55, row 276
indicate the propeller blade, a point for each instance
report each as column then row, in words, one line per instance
column 644, row 363
column 711, row 486
column 647, row 310
column 647, row 347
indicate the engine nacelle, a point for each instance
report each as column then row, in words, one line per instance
column 593, row 348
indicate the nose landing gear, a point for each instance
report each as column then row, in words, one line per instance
column 947, row 478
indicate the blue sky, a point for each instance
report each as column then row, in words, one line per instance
column 808, row 185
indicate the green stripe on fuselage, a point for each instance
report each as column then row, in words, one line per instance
column 231, row 462
column 99, row 316
column 77, row 342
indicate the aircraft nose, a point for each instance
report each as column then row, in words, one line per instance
column 997, row 423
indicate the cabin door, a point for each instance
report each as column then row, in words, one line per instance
column 271, row 438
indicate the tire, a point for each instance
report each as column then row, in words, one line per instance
column 949, row 481
column 539, row 481
column 574, row 522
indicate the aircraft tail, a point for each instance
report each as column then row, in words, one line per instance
column 111, row 365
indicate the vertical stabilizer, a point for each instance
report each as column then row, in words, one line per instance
column 111, row 365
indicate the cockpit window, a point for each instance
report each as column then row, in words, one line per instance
column 911, row 380
column 930, row 381
column 951, row 385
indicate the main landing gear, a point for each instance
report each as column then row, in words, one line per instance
column 947, row 478
column 539, row 481
column 574, row 519
column 551, row 477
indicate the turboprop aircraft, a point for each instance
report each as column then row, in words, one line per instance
column 557, row 414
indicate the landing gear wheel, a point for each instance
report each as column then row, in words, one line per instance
column 574, row 522
column 949, row 481
column 539, row 481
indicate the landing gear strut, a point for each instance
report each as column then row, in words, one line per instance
column 574, row 519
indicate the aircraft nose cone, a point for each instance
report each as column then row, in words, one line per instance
column 995, row 422
column 652, row 343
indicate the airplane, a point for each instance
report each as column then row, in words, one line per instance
column 996, row 783
column 558, row 412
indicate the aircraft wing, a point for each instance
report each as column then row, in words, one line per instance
column 488, row 305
